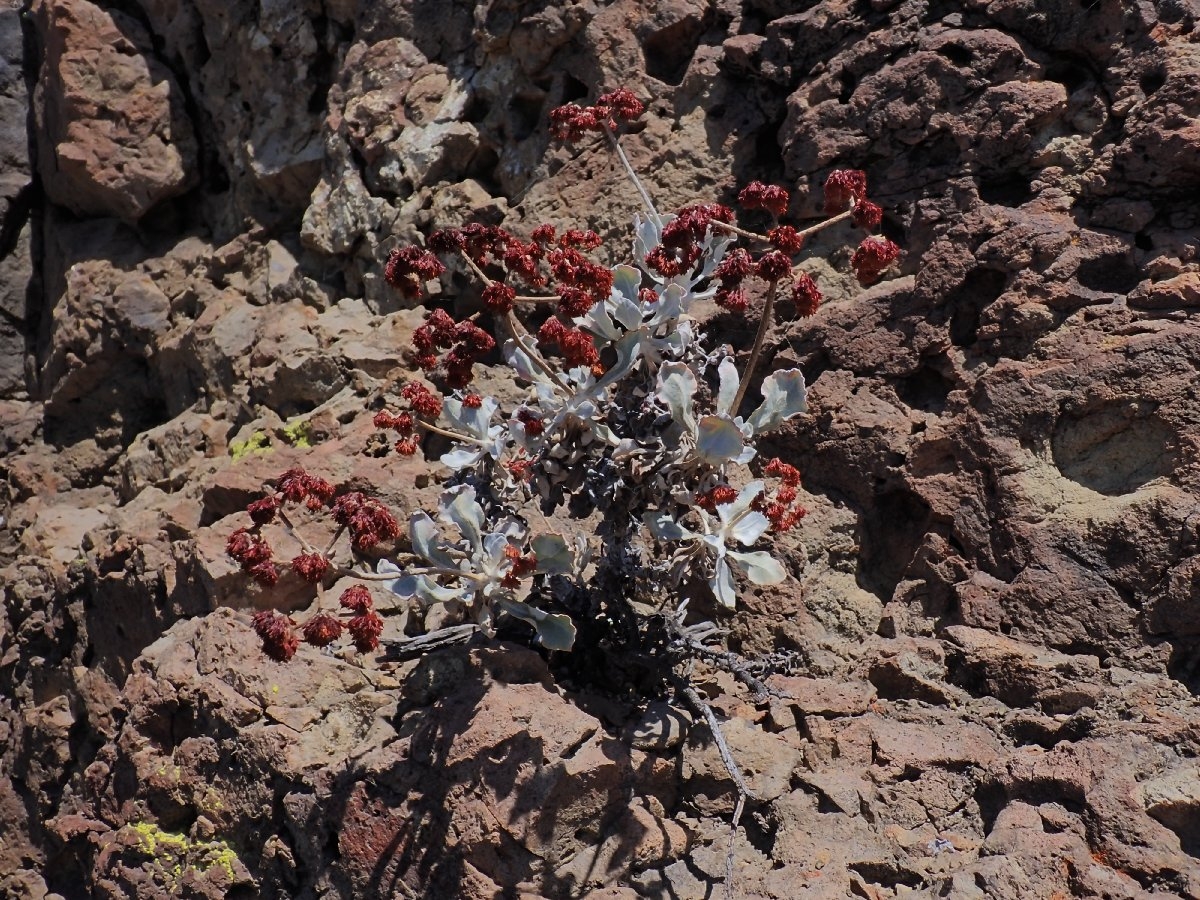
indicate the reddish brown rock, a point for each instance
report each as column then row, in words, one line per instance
column 116, row 136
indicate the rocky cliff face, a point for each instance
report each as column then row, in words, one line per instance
column 995, row 609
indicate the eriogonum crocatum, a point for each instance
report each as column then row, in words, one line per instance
column 615, row 418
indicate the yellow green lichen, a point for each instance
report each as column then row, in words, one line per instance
column 258, row 442
column 298, row 434
column 176, row 854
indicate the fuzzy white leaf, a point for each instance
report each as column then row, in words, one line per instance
column 554, row 556
column 784, row 396
column 555, row 630
column 729, row 387
column 425, row 537
column 466, row 514
column 718, row 440
column 676, row 388
column 749, row 528
column 664, row 528
column 760, row 567
column 722, row 585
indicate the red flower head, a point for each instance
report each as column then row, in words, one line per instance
column 356, row 598
column 732, row 300
column 866, row 215
column 322, row 630
column 499, row 297
column 278, row 634
column 365, row 629
column 719, row 495
column 424, row 401
column 297, row 486
column 311, row 567
column 843, row 187
column 770, row 197
column 773, row 265
column 533, row 423
column 736, row 265
column 263, row 511
column 408, row 268
column 805, row 295
column 786, row 238
column 872, row 257
column 785, row 472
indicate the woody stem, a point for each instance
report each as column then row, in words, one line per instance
column 759, row 339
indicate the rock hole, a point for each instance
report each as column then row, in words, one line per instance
column 968, row 300
column 524, row 113
column 476, row 109
column 573, row 89
column 1070, row 75
column 891, row 534
column 1111, row 273
column 849, row 83
column 1143, row 241
column 1115, row 448
column 886, row 874
column 957, row 54
column 669, row 51
column 925, row 390
column 1011, row 190
column 1152, row 81
column 991, row 798
column 768, row 155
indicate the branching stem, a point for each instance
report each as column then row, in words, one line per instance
column 760, row 338
column 633, row 176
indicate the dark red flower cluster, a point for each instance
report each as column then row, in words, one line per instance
column 866, row 215
column 577, row 346
column 312, row 567
column 770, row 197
column 357, row 598
column 532, row 422
column 785, row 472
column 773, row 266
column 872, row 258
column 278, row 634
column 322, row 630
column 404, row 424
column 520, row 468
column 499, row 298
column 472, row 401
column 783, row 510
column 571, row 121
column 365, row 630
column 465, row 344
column 423, row 401
column 786, row 239
column 680, row 247
column 581, row 283
column 368, row 520
column 844, row 187
column 522, row 566
column 485, row 244
column 408, row 268
column 366, row 626
column 251, row 551
column 806, row 296
column 730, row 271
column 297, row 486
column 262, row 512
column 281, row 637
column 718, row 496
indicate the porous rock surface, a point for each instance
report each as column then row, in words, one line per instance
column 994, row 604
